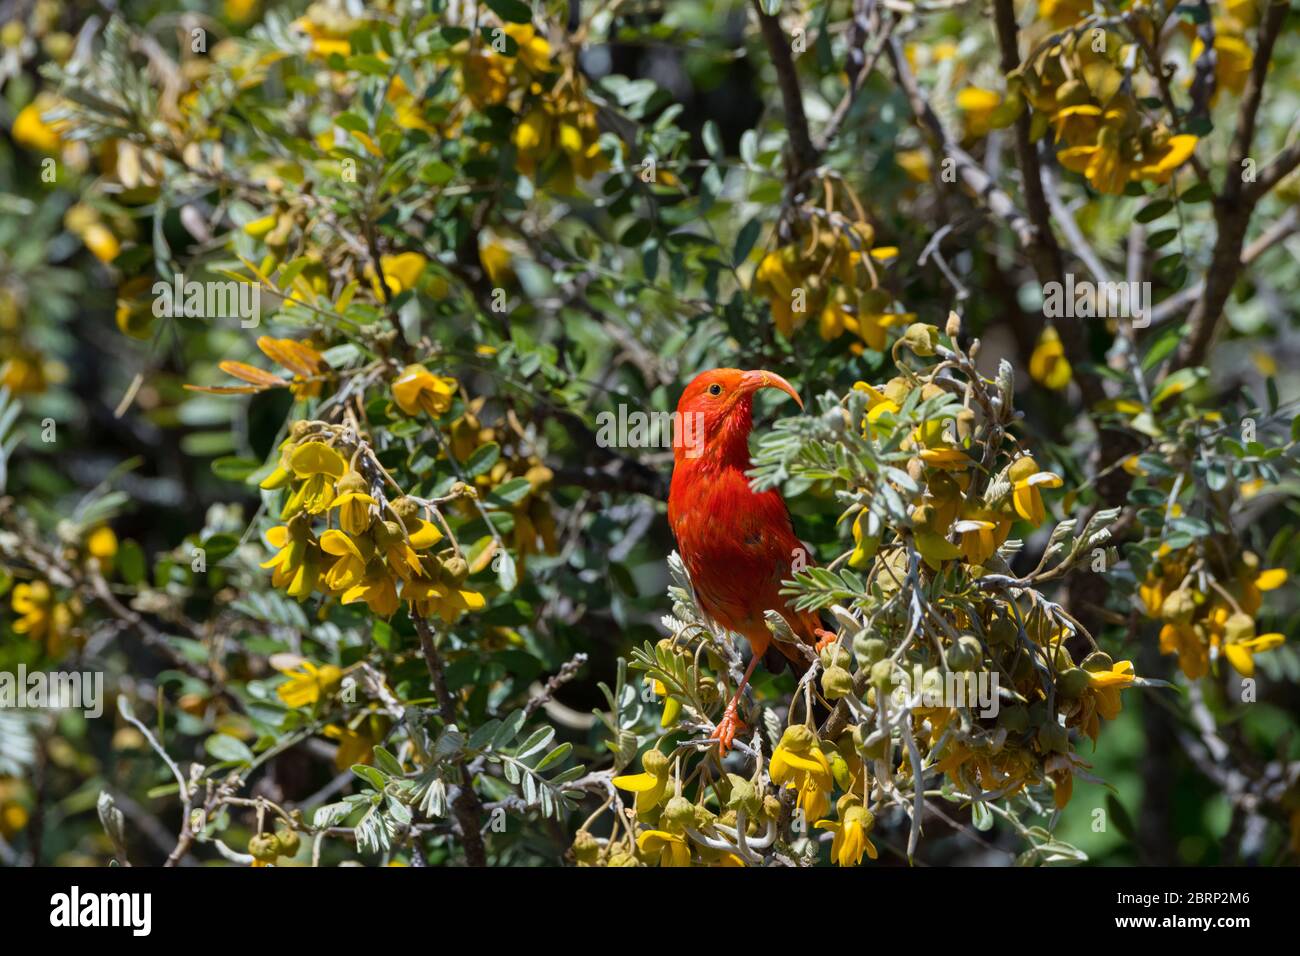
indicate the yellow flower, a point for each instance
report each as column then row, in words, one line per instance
column 1078, row 124
column 328, row 30
column 102, row 543
column 317, row 466
column 977, row 107
column 401, row 272
column 354, row 504
column 399, row 546
column 1183, row 640
column 851, row 840
column 417, row 389
column 446, row 601
column 496, row 260
column 930, row 535
column 377, row 589
column 649, row 786
column 1048, row 365
column 799, row 764
column 1161, row 163
column 31, row 130
column 877, row 403
column 1104, row 163
column 914, row 162
column 672, row 850
column 13, row 807
column 1233, row 57
column 1106, row 686
column 296, row 564
column 1061, row 768
column 23, row 373
column 672, row 706
column 946, row 458
column 1063, row 13
column 351, row 564
column 982, row 533
column 865, row 542
column 41, row 616
column 1025, row 481
column 1241, row 654
column 307, row 683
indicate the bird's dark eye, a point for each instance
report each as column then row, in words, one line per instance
column 715, row 389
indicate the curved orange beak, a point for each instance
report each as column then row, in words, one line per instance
column 754, row 380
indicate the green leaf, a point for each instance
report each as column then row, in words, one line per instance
column 228, row 749
column 512, row 11
column 1153, row 210
column 745, row 241
column 131, row 562
column 234, row 468
column 482, row 459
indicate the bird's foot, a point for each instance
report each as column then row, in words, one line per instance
column 728, row 727
column 827, row 639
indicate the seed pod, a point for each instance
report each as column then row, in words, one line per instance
column 836, row 683
column 869, row 649
column 1002, row 632
column 834, row 655
column 455, row 570
column 744, row 796
column 966, row 654
column 882, row 675
column 1098, row 661
column 678, row 814
column 264, row 847
column 586, row 849
column 1072, row 683
column 921, row 338
column 387, row 533
column 289, row 841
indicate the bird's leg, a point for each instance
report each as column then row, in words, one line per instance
column 731, row 724
column 827, row 639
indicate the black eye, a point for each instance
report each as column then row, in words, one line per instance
column 715, row 389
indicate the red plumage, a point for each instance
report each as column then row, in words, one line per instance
column 737, row 544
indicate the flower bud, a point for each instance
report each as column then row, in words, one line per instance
column 921, row 338
column 836, row 683
column 654, row 763
column 264, row 847
column 678, row 814
column 586, row 849
column 966, row 654
column 882, row 675
column 869, row 649
column 1071, row 683
column 835, row 655
column 744, row 796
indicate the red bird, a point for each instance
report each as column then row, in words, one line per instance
column 738, row 544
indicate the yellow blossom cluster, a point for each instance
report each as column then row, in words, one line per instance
column 1208, row 610
column 51, row 615
column 948, row 505
column 1076, row 87
column 556, row 137
column 369, row 545
column 830, row 276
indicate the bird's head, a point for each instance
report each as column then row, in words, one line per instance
column 716, row 410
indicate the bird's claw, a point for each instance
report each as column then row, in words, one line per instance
column 728, row 727
column 827, row 639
